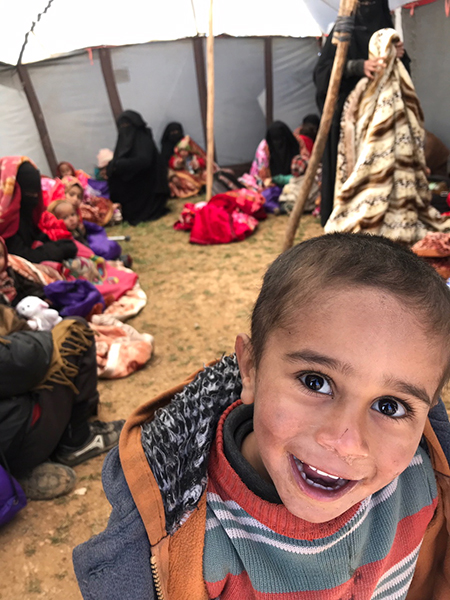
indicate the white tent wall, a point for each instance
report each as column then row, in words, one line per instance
column 240, row 123
column 159, row 81
column 76, row 109
column 294, row 91
column 427, row 40
column 18, row 131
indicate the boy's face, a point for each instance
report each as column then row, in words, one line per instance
column 341, row 400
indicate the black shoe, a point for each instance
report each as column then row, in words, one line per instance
column 103, row 437
column 126, row 260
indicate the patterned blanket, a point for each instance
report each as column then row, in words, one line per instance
column 381, row 184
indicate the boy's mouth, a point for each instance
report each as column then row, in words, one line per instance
column 318, row 484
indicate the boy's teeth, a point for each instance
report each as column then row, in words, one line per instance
column 323, row 473
column 334, row 481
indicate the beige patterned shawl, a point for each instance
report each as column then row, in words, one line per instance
column 381, row 185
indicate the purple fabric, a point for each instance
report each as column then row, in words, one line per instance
column 12, row 497
column 100, row 187
column 271, row 196
column 73, row 298
column 98, row 242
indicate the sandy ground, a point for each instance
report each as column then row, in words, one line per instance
column 199, row 298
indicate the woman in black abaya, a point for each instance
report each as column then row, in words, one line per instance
column 173, row 133
column 136, row 176
column 371, row 15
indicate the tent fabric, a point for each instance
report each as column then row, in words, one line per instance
column 98, row 22
column 18, row 132
column 164, row 75
column 427, row 39
column 159, row 81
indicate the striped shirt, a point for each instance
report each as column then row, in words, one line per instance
column 258, row 550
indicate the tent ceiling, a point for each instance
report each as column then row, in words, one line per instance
column 69, row 25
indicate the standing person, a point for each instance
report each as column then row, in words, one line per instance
column 136, row 177
column 371, row 15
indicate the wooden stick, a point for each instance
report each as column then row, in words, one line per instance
column 346, row 9
column 210, row 107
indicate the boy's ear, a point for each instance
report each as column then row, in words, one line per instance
column 244, row 353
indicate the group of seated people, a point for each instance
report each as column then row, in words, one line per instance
column 140, row 178
column 49, row 375
column 281, row 158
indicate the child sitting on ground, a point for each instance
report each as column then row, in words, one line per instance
column 67, row 212
column 307, row 466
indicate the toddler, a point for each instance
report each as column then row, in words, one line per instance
column 67, row 212
column 311, row 465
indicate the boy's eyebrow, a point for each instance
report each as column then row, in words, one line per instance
column 410, row 389
column 311, row 356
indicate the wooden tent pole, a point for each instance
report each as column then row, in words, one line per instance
column 210, row 107
column 342, row 39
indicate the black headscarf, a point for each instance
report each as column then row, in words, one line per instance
column 29, row 180
column 282, row 147
column 173, row 133
column 128, row 123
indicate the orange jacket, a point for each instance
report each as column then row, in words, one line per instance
column 177, row 560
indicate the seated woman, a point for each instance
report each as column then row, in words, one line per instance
column 20, row 210
column 187, row 169
column 136, row 177
column 306, row 134
column 273, row 158
column 49, row 393
column 173, row 133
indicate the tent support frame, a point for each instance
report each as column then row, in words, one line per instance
column 268, row 67
column 199, row 58
column 110, row 81
column 38, row 116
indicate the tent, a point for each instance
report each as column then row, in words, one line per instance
column 86, row 60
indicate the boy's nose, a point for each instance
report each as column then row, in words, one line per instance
column 344, row 437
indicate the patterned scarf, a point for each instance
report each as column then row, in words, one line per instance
column 381, row 184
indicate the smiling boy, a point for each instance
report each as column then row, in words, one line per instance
column 297, row 469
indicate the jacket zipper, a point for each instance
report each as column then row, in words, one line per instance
column 156, row 578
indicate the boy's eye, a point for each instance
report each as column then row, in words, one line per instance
column 316, row 383
column 389, row 408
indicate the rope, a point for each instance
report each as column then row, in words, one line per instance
column 343, row 28
column 33, row 25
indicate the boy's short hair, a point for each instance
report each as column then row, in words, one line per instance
column 340, row 260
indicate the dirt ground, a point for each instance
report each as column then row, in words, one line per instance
column 199, row 298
